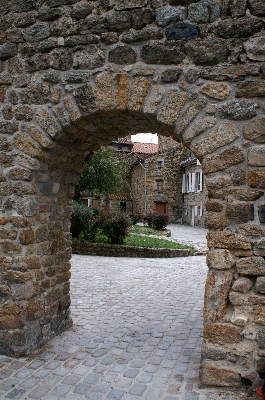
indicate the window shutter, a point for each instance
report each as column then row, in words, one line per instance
column 189, row 190
column 195, row 211
column 200, row 181
column 193, row 182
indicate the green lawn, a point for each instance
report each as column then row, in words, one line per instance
column 145, row 230
column 157, row 243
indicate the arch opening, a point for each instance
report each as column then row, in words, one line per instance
column 75, row 76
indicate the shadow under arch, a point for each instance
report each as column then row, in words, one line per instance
column 53, row 148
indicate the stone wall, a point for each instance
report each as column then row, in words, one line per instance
column 111, row 250
column 171, row 153
column 75, row 75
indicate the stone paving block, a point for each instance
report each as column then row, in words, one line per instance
column 15, row 394
column 191, row 396
column 138, row 389
column 81, row 388
column 8, row 384
column 115, row 394
column 39, row 392
column 24, row 373
column 41, row 373
column 131, row 373
column 5, row 373
column 71, row 379
column 61, row 390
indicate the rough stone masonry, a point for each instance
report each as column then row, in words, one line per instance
column 75, row 75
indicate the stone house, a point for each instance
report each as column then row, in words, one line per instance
column 194, row 193
column 155, row 176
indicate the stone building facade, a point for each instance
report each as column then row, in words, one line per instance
column 76, row 75
column 156, row 181
column 194, row 193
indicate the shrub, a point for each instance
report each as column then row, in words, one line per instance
column 135, row 218
column 115, row 225
column 156, row 221
column 83, row 221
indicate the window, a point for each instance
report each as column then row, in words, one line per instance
column 120, row 148
column 199, row 211
column 198, row 181
column 159, row 184
column 160, row 162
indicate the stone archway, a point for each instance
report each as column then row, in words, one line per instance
column 78, row 74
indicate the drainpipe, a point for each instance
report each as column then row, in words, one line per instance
column 140, row 162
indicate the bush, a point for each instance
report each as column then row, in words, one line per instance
column 115, row 225
column 135, row 218
column 83, row 221
column 156, row 221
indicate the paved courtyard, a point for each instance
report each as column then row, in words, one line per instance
column 136, row 335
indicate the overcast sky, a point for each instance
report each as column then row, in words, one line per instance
column 145, row 138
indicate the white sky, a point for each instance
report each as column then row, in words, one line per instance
column 145, row 138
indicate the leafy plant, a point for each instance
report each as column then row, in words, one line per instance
column 83, row 220
column 115, row 225
column 136, row 218
column 158, row 221
column 103, row 174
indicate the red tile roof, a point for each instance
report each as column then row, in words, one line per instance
column 149, row 148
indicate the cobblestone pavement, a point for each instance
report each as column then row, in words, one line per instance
column 190, row 235
column 136, row 335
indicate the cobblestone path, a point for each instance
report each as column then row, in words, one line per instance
column 136, row 335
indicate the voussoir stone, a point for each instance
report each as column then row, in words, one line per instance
column 201, row 125
column 172, row 106
column 220, row 259
column 224, row 134
column 256, row 156
column 232, row 155
column 218, row 91
column 86, row 99
column 216, row 294
column 189, row 115
column 104, row 91
column 122, row 84
column 251, row 266
column 153, row 100
column 138, row 93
